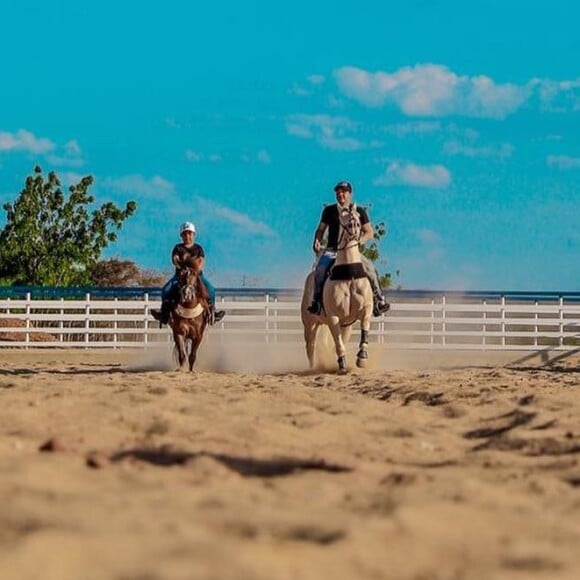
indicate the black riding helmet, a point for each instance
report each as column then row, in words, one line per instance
column 343, row 185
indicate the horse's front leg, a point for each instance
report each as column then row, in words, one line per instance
column 334, row 325
column 195, row 342
column 180, row 344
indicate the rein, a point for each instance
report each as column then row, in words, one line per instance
column 188, row 295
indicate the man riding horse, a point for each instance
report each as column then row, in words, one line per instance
column 330, row 220
column 181, row 255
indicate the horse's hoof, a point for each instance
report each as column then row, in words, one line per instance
column 361, row 362
column 361, row 358
column 342, row 371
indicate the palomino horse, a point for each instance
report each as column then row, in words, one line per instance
column 347, row 295
column 189, row 317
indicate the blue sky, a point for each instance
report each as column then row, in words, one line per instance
column 457, row 122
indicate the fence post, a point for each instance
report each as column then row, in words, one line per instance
column 443, row 324
column 222, row 333
column 61, row 321
column 561, row 324
column 27, row 320
column 267, row 313
column 536, row 329
column 502, row 315
column 87, row 320
column 115, row 323
column 483, row 336
column 275, row 321
column 432, row 329
column 146, row 320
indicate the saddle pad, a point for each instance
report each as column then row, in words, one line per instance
column 347, row 271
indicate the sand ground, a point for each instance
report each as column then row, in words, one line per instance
column 423, row 467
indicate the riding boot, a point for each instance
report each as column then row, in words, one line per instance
column 380, row 305
column 316, row 306
column 215, row 315
column 162, row 315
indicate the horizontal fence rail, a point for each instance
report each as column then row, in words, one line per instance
column 421, row 320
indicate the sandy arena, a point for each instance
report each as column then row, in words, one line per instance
column 115, row 467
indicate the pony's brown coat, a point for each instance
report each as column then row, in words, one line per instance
column 191, row 292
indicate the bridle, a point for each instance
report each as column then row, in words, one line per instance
column 187, row 290
column 350, row 227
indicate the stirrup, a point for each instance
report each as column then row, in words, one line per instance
column 380, row 308
column 214, row 315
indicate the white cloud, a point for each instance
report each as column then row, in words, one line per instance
column 432, row 90
column 563, row 161
column 69, row 154
column 171, row 122
column 155, row 188
column 246, row 224
column 406, row 173
column 454, row 147
column 428, row 236
column 26, row 141
column 71, row 157
column 196, row 157
column 263, row 157
column 557, row 96
column 330, row 132
column 413, row 128
column 313, row 81
column 316, row 79
column 193, row 156
column 68, row 178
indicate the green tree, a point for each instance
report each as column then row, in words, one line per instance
column 373, row 253
column 52, row 238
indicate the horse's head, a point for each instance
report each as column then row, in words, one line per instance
column 350, row 226
column 186, row 282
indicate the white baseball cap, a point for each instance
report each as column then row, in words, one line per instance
column 186, row 227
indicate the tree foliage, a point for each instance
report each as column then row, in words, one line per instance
column 373, row 253
column 123, row 273
column 52, row 238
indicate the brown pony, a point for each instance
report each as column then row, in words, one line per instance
column 189, row 317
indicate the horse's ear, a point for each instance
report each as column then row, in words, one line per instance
column 196, row 263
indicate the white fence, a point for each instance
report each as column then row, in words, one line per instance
column 422, row 323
